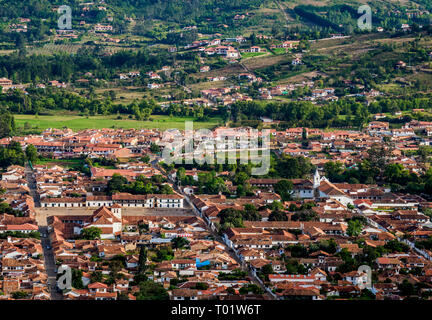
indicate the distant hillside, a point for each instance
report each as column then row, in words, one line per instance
column 170, row 10
column 29, row 8
column 179, row 10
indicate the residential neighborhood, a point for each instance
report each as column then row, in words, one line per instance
column 238, row 152
column 301, row 242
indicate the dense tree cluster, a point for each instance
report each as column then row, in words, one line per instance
column 233, row 218
column 141, row 185
column 377, row 168
column 7, row 124
column 12, row 154
column 66, row 67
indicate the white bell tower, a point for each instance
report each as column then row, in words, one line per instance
column 316, row 179
column 116, row 209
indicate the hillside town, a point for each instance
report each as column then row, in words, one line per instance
column 123, row 215
column 242, row 154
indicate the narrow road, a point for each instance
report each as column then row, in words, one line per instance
column 31, row 181
column 45, row 241
column 50, row 266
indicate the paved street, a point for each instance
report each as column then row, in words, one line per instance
column 31, row 181
column 48, row 254
column 49, row 264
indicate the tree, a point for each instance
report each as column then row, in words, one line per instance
column 179, row 242
column 378, row 156
column 284, row 189
column 396, row 173
column 407, row 288
column 163, row 254
column 278, row 215
column 116, row 183
column 333, row 171
column 349, row 263
column 201, row 286
column 116, row 264
column 154, row 148
column 251, row 213
column 354, row 228
column 304, row 215
column 77, row 279
column 146, row 113
column 165, row 189
column 7, row 124
column 305, row 141
column 19, row 295
column 423, row 153
column 293, row 167
column 230, row 290
column 12, row 154
column 298, row 251
column 31, row 153
column 251, row 288
column 91, row 233
column 150, row 290
column 367, row 295
column 231, row 218
column 396, row 246
column 96, row 276
column 267, row 269
column 275, row 205
column 181, row 174
column 122, row 296
column 140, row 277
column 142, row 259
column 240, row 178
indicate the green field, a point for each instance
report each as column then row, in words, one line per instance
column 279, row 50
column 68, row 163
column 75, row 122
column 246, row 55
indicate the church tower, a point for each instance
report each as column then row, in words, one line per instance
column 116, row 209
column 316, row 179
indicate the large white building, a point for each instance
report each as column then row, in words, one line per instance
column 109, row 221
column 126, row 200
